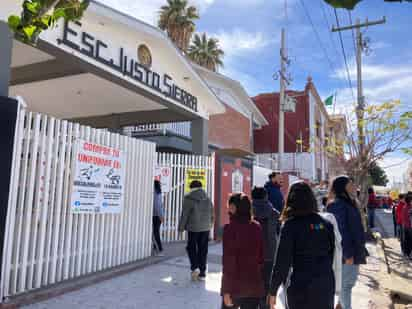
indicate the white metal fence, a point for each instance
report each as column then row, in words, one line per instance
column 45, row 243
column 173, row 200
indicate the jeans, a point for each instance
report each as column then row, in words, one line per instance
column 156, row 233
column 244, row 303
column 197, row 249
column 349, row 276
column 371, row 217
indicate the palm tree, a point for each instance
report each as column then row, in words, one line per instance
column 177, row 19
column 206, row 52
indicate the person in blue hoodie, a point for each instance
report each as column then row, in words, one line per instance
column 268, row 218
column 275, row 195
column 345, row 209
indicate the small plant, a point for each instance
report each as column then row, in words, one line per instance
column 40, row 15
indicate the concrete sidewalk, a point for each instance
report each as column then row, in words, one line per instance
column 168, row 285
column 399, row 279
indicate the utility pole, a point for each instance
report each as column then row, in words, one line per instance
column 282, row 79
column 360, row 109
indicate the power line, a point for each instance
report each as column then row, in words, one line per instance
column 328, row 25
column 317, row 36
column 353, row 32
column 344, row 55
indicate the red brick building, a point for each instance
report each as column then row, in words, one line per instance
column 308, row 131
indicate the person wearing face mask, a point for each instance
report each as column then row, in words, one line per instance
column 347, row 214
column 243, row 259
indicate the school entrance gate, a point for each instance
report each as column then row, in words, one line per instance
column 178, row 166
column 45, row 241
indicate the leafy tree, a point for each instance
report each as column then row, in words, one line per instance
column 40, row 15
column 385, row 129
column 177, row 19
column 350, row 4
column 343, row 4
column 206, row 52
column 377, row 176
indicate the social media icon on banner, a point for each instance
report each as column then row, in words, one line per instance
column 77, row 203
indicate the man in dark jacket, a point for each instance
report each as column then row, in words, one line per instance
column 268, row 217
column 274, row 193
column 197, row 219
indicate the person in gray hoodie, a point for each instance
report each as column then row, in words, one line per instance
column 268, row 217
column 197, row 219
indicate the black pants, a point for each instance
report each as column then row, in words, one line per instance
column 244, row 303
column 319, row 294
column 197, row 249
column 267, row 274
column 407, row 234
column 156, row 232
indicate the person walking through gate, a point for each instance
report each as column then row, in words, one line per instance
column 158, row 216
column 242, row 278
column 347, row 214
column 275, row 195
column 372, row 205
column 268, row 218
column 407, row 225
column 306, row 249
column 197, row 219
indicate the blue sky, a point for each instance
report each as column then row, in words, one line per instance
column 249, row 33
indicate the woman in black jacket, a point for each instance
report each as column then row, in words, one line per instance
column 348, row 216
column 306, row 247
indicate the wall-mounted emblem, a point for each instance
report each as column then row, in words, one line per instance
column 144, row 55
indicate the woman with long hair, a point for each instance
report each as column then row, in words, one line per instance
column 242, row 280
column 305, row 253
column 345, row 209
column 158, row 215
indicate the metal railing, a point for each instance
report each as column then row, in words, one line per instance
column 176, row 128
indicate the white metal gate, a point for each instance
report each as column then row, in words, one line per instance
column 45, row 243
column 173, row 200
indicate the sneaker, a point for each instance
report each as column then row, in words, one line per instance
column 195, row 274
column 202, row 277
column 160, row 254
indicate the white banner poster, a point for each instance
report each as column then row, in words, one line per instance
column 164, row 175
column 98, row 182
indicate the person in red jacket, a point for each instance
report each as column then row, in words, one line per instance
column 242, row 279
column 398, row 215
column 407, row 226
column 372, row 205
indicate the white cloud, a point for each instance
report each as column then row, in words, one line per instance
column 381, row 83
column 395, row 167
column 148, row 10
column 373, row 72
column 239, row 42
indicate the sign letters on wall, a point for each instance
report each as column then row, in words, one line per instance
column 92, row 47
